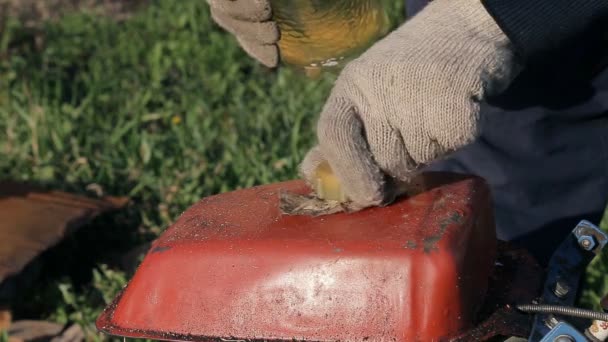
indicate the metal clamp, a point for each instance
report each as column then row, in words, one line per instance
column 564, row 332
column 566, row 268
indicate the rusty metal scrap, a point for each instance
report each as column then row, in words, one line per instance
column 32, row 220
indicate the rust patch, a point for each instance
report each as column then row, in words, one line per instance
column 160, row 249
column 410, row 244
column 430, row 243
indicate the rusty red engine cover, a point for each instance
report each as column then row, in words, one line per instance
column 233, row 267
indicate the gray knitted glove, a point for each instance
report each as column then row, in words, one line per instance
column 411, row 98
column 250, row 21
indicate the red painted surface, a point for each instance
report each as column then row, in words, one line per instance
column 233, row 267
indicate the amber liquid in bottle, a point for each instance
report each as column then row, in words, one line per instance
column 325, row 34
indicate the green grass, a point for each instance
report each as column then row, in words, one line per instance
column 164, row 108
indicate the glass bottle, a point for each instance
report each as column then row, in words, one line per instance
column 325, row 34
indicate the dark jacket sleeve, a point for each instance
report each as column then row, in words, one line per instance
column 539, row 28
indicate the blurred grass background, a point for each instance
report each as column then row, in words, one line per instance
column 163, row 107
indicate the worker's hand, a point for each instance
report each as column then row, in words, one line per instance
column 250, row 21
column 411, row 98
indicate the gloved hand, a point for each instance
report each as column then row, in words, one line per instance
column 412, row 98
column 250, row 21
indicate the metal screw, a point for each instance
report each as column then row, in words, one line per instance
column 561, row 289
column 564, row 338
column 551, row 322
column 586, row 242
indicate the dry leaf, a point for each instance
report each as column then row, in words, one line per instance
column 310, row 205
column 32, row 220
column 71, row 334
column 29, row 330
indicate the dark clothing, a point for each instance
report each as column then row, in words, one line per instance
column 540, row 27
column 543, row 149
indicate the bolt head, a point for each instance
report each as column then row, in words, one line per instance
column 564, row 338
column 551, row 322
column 561, row 289
column 586, row 242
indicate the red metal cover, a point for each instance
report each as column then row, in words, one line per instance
column 233, row 267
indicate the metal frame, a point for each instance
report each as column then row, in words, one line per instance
column 564, row 332
column 566, row 268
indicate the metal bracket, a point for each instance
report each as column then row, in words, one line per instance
column 564, row 332
column 566, row 268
